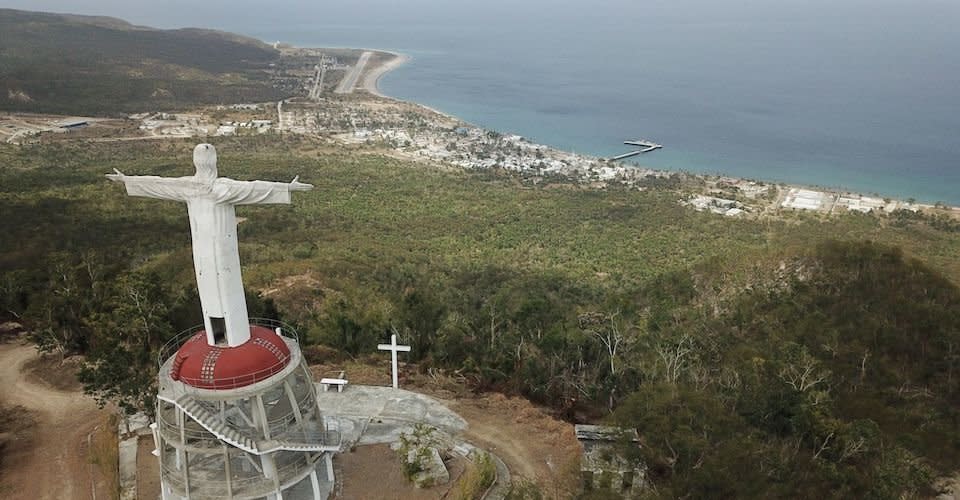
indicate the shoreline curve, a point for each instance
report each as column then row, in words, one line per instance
column 372, row 78
column 371, row 81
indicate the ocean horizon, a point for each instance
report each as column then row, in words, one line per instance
column 847, row 94
column 731, row 108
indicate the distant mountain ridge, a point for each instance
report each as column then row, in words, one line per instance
column 101, row 21
column 66, row 63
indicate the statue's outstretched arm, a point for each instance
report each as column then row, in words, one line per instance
column 296, row 185
column 117, row 176
column 257, row 192
column 152, row 186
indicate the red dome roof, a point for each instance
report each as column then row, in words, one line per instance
column 214, row 367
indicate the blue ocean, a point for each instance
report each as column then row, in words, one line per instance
column 859, row 94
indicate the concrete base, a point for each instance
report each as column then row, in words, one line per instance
column 128, row 468
column 434, row 471
column 373, row 415
column 130, row 429
column 378, row 415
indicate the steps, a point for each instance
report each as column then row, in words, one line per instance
column 235, row 438
column 215, row 426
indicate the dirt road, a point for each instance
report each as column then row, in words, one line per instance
column 534, row 445
column 57, row 466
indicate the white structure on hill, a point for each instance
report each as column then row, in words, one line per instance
column 237, row 413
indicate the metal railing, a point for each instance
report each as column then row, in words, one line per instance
column 236, row 381
column 193, row 432
column 214, row 482
column 196, row 434
column 202, row 438
column 173, row 345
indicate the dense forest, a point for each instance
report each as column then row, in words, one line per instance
column 792, row 356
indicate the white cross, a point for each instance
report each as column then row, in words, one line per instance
column 394, row 348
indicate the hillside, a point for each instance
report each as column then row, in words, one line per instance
column 842, row 382
column 68, row 64
column 797, row 354
column 522, row 290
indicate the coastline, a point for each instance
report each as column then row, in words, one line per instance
column 371, row 81
column 371, row 84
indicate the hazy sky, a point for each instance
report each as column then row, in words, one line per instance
column 246, row 14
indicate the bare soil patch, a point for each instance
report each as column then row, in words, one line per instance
column 534, row 445
column 374, row 471
column 16, row 432
column 59, row 376
column 59, row 463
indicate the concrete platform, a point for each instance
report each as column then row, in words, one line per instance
column 371, row 414
column 375, row 415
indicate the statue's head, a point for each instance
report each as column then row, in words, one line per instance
column 205, row 160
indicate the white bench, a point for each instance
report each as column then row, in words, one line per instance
column 327, row 382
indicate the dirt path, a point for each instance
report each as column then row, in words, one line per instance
column 374, row 471
column 533, row 445
column 951, row 487
column 57, row 465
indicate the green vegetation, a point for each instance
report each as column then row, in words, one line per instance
column 419, row 441
column 51, row 63
column 478, row 478
column 835, row 384
column 756, row 358
column 104, row 451
column 523, row 489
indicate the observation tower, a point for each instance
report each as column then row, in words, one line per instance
column 237, row 413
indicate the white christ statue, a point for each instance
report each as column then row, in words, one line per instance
column 213, row 226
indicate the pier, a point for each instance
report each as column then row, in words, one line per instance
column 647, row 146
column 627, row 155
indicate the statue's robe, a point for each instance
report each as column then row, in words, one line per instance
column 213, row 227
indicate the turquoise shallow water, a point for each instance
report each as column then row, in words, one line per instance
column 861, row 94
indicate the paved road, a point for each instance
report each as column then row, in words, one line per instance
column 350, row 80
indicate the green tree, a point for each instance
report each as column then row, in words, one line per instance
column 121, row 367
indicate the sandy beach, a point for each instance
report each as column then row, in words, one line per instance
column 372, row 78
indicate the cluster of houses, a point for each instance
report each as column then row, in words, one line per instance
column 721, row 206
column 445, row 139
column 477, row 149
column 230, row 128
column 193, row 124
column 826, row 201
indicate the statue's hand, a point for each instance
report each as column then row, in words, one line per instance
column 296, row 185
column 117, row 177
